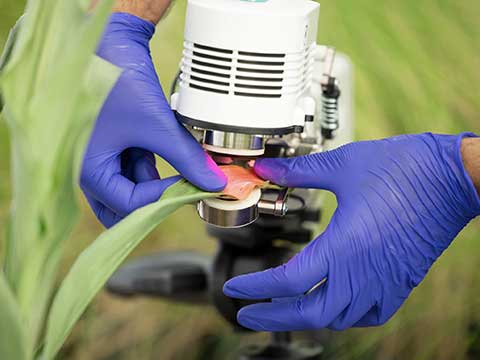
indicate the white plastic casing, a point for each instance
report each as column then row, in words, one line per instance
column 247, row 66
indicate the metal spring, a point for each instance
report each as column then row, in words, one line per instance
column 330, row 118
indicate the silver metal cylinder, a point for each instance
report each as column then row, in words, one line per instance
column 230, row 213
column 234, row 143
column 227, row 219
column 239, row 213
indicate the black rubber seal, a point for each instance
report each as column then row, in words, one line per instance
column 238, row 129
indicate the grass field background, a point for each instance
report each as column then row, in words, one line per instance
column 417, row 68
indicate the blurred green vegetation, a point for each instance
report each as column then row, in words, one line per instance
column 417, row 67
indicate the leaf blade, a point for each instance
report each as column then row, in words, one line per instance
column 53, row 92
column 99, row 261
column 12, row 342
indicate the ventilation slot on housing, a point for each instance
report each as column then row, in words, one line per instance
column 259, row 75
column 204, row 88
column 249, row 78
column 258, row 95
column 207, row 64
column 211, row 57
column 243, row 73
column 214, row 49
column 258, row 87
column 260, row 71
column 245, row 53
column 214, row 82
column 264, row 63
column 210, row 73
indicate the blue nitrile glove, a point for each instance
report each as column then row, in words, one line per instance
column 401, row 202
column 119, row 173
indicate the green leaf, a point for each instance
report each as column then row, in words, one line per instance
column 100, row 260
column 7, row 51
column 53, row 87
column 12, row 340
column 44, row 87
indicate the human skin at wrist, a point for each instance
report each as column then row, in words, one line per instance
column 150, row 10
column 471, row 159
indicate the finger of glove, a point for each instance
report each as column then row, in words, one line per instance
column 177, row 146
column 300, row 274
column 126, row 43
column 313, row 311
column 379, row 314
column 144, row 170
column 159, row 131
column 371, row 318
column 359, row 306
column 311, row 171
column 122, row 196
column 107, row 217
column 278, row 316
column 139, row 165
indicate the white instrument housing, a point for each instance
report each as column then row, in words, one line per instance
column 252, row 78
column 248, row 66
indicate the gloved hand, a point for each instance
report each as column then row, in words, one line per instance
column 401, row 202
column 119, row 174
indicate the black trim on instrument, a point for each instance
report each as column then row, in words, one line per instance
column 237, row 129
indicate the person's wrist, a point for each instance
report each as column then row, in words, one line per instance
column 150, row 10
column 470, row 150
column 128, row 25
column 457, row 189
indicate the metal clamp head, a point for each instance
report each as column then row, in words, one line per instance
column 238, row 213
column 276, row 207
column 230, row 213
